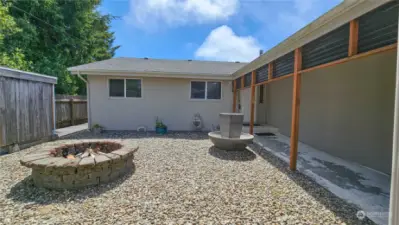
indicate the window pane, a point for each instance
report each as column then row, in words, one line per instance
column 197, row 90
column 116, row 88
column 214, row 90
column 133, row 88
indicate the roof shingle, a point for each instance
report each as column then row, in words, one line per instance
column 145, row 65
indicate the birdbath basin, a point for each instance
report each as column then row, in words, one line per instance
column 230, row 136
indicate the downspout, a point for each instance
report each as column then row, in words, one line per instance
column 394, row 202
column 88, row 98
column 54, row 114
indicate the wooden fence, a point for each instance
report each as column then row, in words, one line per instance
column 70, row 110
column 26, row 107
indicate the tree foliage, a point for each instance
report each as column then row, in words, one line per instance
column 48, row 36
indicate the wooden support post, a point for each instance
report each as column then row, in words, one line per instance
column 234, row 95
column 252, row 115
column 270, row 71
column 295, row 109
column 353, row 37
column 71, row 104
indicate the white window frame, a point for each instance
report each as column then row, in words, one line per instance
column 206, row 90
column 124, row 87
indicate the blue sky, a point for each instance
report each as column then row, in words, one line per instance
column 226, row 30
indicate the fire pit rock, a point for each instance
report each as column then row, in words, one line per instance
column 80, row 164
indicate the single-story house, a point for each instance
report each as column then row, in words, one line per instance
column 331, row 85
column 129, row 93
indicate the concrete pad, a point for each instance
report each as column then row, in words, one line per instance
column 264, row 128
column 367, row 188
column 62, row 132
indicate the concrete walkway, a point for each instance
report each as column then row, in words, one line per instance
column 62, row 132
column 362, row 186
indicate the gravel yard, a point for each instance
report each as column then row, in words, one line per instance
column 178, row 178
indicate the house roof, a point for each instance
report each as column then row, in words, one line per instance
column 148, row 66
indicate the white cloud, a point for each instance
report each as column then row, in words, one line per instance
column 155, row 13
column 223, row 44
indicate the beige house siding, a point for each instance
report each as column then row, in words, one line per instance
column 346, row 110
column 245, row 96
column 279, row 100
column 260, row 108
column 166, row 98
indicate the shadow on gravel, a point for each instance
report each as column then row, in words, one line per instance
column 137, row 135
column 25, row 191
column 243, row 155
column 344, row 210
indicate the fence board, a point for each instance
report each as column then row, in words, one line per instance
column 65, row 117
column 2, row 112
column 25, row 108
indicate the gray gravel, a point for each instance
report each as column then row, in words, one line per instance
column 178, row 179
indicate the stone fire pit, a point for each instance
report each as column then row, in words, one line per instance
column 80, row 164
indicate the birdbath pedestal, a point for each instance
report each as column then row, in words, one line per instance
column 230, row 136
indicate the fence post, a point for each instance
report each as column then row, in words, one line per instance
column 71, row 104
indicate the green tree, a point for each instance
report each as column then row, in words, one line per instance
column 52, row 35
column 11, row 56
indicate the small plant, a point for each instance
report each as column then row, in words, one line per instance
column 159, row 123
column 97, row 126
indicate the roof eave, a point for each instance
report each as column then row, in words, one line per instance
column 152, row 74
column 338, row 16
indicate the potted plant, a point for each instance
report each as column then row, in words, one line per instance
column 97, row 128
column 160, row 127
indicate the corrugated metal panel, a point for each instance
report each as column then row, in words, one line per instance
column 327, row 48
column 262, row 73
column 284, row 65
column 247, row 80
column 379, row 27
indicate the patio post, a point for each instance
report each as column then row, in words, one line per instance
column 270, row 71
column 296, row 95
column 394, row 201
column 234, row 95
column 252, row 115
column 353, row 37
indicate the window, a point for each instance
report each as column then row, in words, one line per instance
column 206, row 90
column 116, row 88
column 133, row 88
column 130, row 88
column 213, row 90
column 198, row 90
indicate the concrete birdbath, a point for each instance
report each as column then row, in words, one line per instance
column 80, row 164
column 230, row 136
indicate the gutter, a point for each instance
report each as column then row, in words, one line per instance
column 88, row 98
column 156, row 74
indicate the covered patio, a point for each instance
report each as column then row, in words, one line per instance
column 328, row 94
